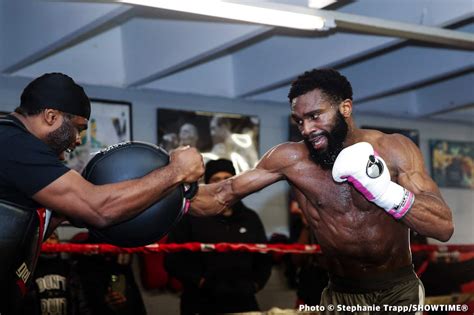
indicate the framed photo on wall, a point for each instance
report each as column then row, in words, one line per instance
column 215, row 135
column 110, row 123
column 452, row 163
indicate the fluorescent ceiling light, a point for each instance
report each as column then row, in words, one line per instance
column 319, row 4
column 238, row 11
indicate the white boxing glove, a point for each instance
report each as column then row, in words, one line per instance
column 360, row 165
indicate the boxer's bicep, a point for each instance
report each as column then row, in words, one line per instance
column 251, row 181
column 269, row 170
column 418, row 182
column 429, row 215
column 214, row 198
column 412, row 172
column 414, row 177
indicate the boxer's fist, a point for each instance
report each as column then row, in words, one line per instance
column 360, row 165
column 188, row 163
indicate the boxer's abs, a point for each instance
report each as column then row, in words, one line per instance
column 358, row 237
column 355, row 235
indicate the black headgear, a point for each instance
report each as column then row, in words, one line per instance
column 216, row 166
column 56, row 91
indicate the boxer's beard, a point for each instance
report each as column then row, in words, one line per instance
column 62, row 138
column 335, row 138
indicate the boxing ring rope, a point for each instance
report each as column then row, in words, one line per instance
column 432, row 250
column 224, row 247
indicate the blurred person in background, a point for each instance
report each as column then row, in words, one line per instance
column 220, row 282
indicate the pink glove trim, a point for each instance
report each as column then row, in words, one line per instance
column 405, row 205
column 187, row 203
column 367, row 194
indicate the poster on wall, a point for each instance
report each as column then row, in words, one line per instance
column 452, row 163
column 215, row 135
column 110, row 123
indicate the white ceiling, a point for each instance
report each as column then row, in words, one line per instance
column 397, row 69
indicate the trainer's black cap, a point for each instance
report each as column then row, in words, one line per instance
column 56, row 91
column 216, row 166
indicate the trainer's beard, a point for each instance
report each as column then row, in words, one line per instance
column 62, row 138
column 325, row 158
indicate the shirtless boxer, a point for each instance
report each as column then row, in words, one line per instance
column 360, row 190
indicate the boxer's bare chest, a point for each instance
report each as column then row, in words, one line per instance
column 348, row 227
column 322, row 192
column 335, row 208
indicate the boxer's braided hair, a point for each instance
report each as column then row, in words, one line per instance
column 331, row 82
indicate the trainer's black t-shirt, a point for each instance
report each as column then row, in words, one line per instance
column 27, row 164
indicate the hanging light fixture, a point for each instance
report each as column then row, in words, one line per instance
column 252, row 12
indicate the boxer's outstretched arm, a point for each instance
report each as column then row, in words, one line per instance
column 429, row 215
column 102, row 205
column 213, row 198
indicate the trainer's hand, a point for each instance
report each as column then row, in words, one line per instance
column 360, row 165
column 188, row 163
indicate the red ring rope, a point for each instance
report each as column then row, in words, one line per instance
column 222, row 247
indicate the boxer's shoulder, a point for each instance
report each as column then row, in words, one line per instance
column 290, row 152
column 374, row 137
column 396, row 149
column 285, row 155
column 295, row 147
column 383, row 141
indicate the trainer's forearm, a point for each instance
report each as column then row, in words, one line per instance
column 431, row 217
column 123, row 200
